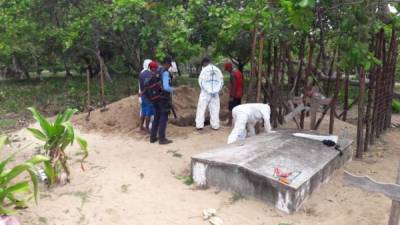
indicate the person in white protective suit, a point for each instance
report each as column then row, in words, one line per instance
column 211, row 82
column 245, row 118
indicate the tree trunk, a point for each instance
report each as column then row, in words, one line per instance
column 334, row 103
column 17, row 70
column 26, row 73
column 89, row 100
column 305, row 82
column 260, row 64
column 290, row 70
column 250, row 90
column 37, row 68
column 241, row 66
column 267, row 86
column 360, row 123
column 178, row 68
column 369, row 117
column 275, row 88
column 391, row 76
column 67, row 70
column 300, row 70
column 346, row 96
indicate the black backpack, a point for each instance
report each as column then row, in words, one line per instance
column 153, row 88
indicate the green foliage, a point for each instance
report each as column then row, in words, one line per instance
column 52, row 94
column 396, row 106
column 188, row 180
column 56, row 137
column 14, row 191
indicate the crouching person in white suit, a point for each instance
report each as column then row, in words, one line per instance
column 245, row 118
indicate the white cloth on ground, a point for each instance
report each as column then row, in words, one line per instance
column 211, row 82
column 245, row 118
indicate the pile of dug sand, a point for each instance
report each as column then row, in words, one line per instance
column 123, row 116
column 185, row 102
column 119, row 117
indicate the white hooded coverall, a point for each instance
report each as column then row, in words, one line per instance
column 211, row 82
column 245, row 117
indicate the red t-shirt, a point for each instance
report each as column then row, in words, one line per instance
column 236, row 90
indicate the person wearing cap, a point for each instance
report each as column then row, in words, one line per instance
column 146, row 107
column 211, row 82
column 163, row 106
column 235, row 89
column 146, row 63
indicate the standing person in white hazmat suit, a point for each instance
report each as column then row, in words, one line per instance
column 245, row 118
column 211, row 82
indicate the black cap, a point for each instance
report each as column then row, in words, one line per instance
column 205, row 60
column 167, row 60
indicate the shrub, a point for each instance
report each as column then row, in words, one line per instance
column 57, row 136
column 396, row 106
column 12, row 191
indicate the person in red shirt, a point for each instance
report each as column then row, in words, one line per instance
column 235, row 89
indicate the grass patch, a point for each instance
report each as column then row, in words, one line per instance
column 43, row 220
column 236, row 197
column 7, row 123
column 188, row 180
column 52, row 95
column 84, row 196
column 125, row 188
column 175, row 153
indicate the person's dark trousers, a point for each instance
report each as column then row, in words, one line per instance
column 160, row 121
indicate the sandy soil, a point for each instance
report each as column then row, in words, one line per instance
column 129, row 181
column 122, row 116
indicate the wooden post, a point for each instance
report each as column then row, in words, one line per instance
column 377, row 90
column 391, row 191
column 88, row 103
column 360, row 124
column 371, row 91
column 395, row 210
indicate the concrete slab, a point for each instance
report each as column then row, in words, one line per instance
column 248, row 167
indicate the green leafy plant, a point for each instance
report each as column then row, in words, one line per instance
column 188, row 180
column 57, row 137
column 16, row 193
column 396, row 106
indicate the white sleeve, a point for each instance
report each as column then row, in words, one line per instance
column 266, row 116
column 201, row 77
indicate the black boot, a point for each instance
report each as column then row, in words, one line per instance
column 165, row 142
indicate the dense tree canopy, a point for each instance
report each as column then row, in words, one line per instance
column 62, row 35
